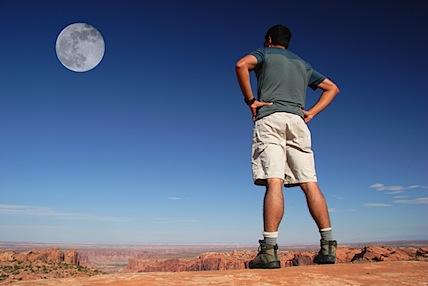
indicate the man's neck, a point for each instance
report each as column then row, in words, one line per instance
column 277, row 46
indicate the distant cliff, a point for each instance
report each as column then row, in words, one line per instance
column 41, row 264
column 240, row 259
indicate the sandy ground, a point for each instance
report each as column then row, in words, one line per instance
column 412, row 273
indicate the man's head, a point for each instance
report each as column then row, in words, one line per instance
column 278, row 35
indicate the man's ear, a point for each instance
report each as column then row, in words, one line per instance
column 269, row 40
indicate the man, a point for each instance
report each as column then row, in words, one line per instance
column 281, row 150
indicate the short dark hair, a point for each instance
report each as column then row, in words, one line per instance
column 279, row 34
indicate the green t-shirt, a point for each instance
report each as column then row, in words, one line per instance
column 282, row 78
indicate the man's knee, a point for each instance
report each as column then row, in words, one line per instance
column 274, row 181
column 309, row 186
column 274, row 185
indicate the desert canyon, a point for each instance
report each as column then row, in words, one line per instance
column 190, row 265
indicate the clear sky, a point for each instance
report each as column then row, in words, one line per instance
column 153, row 145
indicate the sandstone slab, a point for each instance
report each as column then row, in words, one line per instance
column 380, row 273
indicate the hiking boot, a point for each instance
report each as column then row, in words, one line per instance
column 327, row 253
column 267, row 258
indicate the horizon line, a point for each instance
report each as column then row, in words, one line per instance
column 5, row 242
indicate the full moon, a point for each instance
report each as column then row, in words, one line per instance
column 80, row 47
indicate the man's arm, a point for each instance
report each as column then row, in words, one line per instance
column 330, row 90
column 243, row 68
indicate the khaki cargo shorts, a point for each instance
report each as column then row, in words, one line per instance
column 282, row 149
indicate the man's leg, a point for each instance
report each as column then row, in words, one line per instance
column 268, row 161
column 273, row 210
column 273, row 205
column 318, row 208
column 317, row 204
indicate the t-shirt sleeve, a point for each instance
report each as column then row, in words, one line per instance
column 315, row 78
column 259, row 54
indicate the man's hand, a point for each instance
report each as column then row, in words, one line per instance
column 256, row 105
column 307, row 116
column 330, row 90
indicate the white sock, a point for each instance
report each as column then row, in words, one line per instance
column 326, row 233
column 270, row 237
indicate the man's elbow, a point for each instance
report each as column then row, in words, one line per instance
column 329, row 86
column 333, row 88
column 241, row 65
column 336, row 89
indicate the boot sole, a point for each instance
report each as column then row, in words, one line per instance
column 269, row 265
column 329, row 259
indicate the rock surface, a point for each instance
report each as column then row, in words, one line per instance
column 381, row 273
column 54, row 263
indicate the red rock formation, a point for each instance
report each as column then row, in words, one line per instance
column 41, row 264
column 240, row 259
column 381, row 253
column 300, row 259
column 206, row 261
column 345, row 254
column 411, row 251
column 71, row 257
column 422, row 254
column 7, row 256
column 50, row 256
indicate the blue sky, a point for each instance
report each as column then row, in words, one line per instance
column 153, row 145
